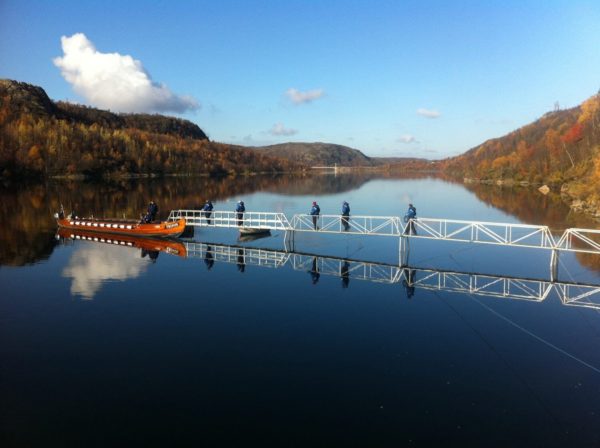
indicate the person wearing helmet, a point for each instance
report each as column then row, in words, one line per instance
column 240, row 208
column 314, row 211
column 346, row 216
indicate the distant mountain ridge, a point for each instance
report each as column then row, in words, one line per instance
column 329, row 154
column 318, row 154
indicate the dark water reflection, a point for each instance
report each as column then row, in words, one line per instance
column 531, row 207
column 26, row 211
column 227, row 342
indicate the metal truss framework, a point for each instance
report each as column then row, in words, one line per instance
column 504, row 234
column 253, row 220
column 237, row 254
column 357, row 225
column 580, row 240
column 571, row 294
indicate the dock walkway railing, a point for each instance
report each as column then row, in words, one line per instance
column 253, row 220
column 504, row 234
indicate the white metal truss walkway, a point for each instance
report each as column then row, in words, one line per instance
column 253, row 220
column 572, row 294
column 481, row 232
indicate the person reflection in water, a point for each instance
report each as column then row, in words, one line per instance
column 408, row 282
column 152, row 254
column 208, row 258
column 314, row 272
column 345, row 274
column 241, row 263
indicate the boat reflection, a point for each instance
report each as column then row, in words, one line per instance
column 92, row 265
column 246, row 238
column 150, row 247
column 412, row 278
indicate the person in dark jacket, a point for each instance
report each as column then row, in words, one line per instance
column 207, row 211
column 240, row 208
column 314, row 211
column 346, row 216
column 409, row 218
column 151, row 213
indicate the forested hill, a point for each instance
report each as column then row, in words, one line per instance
column 561, row 149
column 39, row 137
column 26, row 98
column 152, row 123
column 318, row 154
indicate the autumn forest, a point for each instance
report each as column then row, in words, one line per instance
column 42, row 138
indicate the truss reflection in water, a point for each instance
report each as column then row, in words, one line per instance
column 411, row 278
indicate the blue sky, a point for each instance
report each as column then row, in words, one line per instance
column 391, row 78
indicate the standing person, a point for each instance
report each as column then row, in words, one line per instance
column 152, row 210
column 409, row 217
column 207, row 211
column 314, row 211
column 240, row 209
column 346, row 216
column 151, row 213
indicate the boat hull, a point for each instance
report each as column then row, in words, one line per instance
column 163, row 229
column 253, row 231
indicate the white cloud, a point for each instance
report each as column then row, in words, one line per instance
column 429, row 113
column 280, row 129
column 114, row 81
column 298, row 97
column 407, row 138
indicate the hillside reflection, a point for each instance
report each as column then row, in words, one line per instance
column 94, row 263
column 26, row 211
column 28, row 228
column 532, row 207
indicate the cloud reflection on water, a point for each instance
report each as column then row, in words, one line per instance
column 92, row 265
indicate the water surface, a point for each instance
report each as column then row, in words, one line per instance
column 105, row 344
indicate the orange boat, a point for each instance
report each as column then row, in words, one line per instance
column 124, row 227
column 148, row 244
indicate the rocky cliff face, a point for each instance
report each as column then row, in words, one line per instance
column 27, row 98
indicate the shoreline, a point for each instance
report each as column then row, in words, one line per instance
column 575, row 203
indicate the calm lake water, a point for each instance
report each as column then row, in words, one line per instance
column 208, row 342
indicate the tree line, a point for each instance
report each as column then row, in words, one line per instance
column 562, row 148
